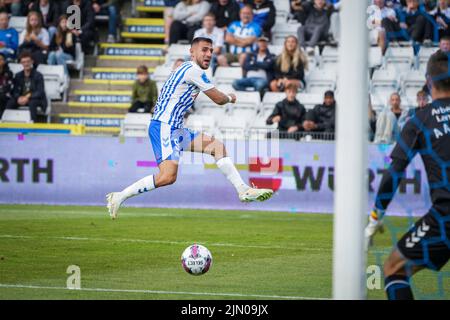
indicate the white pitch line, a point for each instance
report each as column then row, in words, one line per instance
column 236, row 295
column 165, row 242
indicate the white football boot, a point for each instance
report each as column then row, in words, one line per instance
column 114, row 201
column 254, row 194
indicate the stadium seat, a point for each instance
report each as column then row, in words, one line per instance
column 78, row 63
column 423, row 56
column 15, row 68
column 310, row 100
column 399, row 58
column 161, row 73
column 16, row 116
column 412, row 82
column 136, row 124
column 56, row 82
column 206, row 106
column 226, row 75
column 270, row 99
column 282, row 8
column 233, row 126
column 203, row 123
column 247, row 100
column 375, row 57
column 177, row 51
column 18, row 23
column 409, row 102
column 384, row 82
column 275, row 49
column 319, row 81
column 281, row 31
column 329, row 58
column 379, row 101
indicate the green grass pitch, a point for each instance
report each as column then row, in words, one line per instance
column 256, row 255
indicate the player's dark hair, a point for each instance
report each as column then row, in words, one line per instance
column 200, row 39
column 445, row 38
column 438, row 71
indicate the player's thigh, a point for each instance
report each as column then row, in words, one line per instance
column 426, row 244
column 207, row 144
column 396, row 263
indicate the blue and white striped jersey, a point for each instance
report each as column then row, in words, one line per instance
column 179, row 92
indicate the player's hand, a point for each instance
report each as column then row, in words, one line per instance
column 375, row 225
column 233, row 97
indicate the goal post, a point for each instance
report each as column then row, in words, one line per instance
column 351, row 188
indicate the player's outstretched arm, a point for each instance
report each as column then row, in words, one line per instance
column 219, row 97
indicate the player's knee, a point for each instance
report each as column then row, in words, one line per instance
column 390, row 267
column 167, row 179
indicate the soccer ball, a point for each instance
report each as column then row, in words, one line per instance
column 196, row 259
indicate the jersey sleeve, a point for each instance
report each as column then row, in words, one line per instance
column 407, row 144
column 199, row 78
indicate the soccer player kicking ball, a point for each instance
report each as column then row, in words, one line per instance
column 169, row 138
column 427, row 243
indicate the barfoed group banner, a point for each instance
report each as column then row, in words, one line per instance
column 64, row 170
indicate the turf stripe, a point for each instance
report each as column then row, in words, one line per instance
column 22, row 286
column 169, row 242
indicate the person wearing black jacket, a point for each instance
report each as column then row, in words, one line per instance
column 322, row 117
column 264, row 13
column 288, row 113
column 87, row 32
column 62, row 46
column 316, row 25
column 28, row 88
column 6, row 81
column 225, row 11
column 50, row 12
column 257, row 69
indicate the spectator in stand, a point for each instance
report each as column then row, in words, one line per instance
column 323, row 116
column 177, row 63
column 214, row 33
column 6, row 82
column 11, row 6
column 257, row 69
column 145, row 92
column 188, row 16
column 298, row 11
column 62, row 46
column 241, row 37
column 28, row 88
column 288, row 113
column 444, row 44
column 35, row 38
column 225, row 11
column 264, row 13
column 422, row 101
column 441, row 15
column 289, row 66
column 108, row 8
column 383, row 20
column 414, row 24
column 390, row 120
column 372, row 121
column 316, row 25
column 9, row 38
column 168, row 17
column 87, row 32
column 50, row 13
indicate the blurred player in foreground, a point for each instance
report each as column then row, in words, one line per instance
column 427, row 243
column 169, row 138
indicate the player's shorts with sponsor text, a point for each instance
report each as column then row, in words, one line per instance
column 168, row 142
column 427, row 243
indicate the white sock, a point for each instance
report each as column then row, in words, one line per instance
column 144, row 185
column 229, row 170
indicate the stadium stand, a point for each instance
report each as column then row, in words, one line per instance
column 100, row 95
